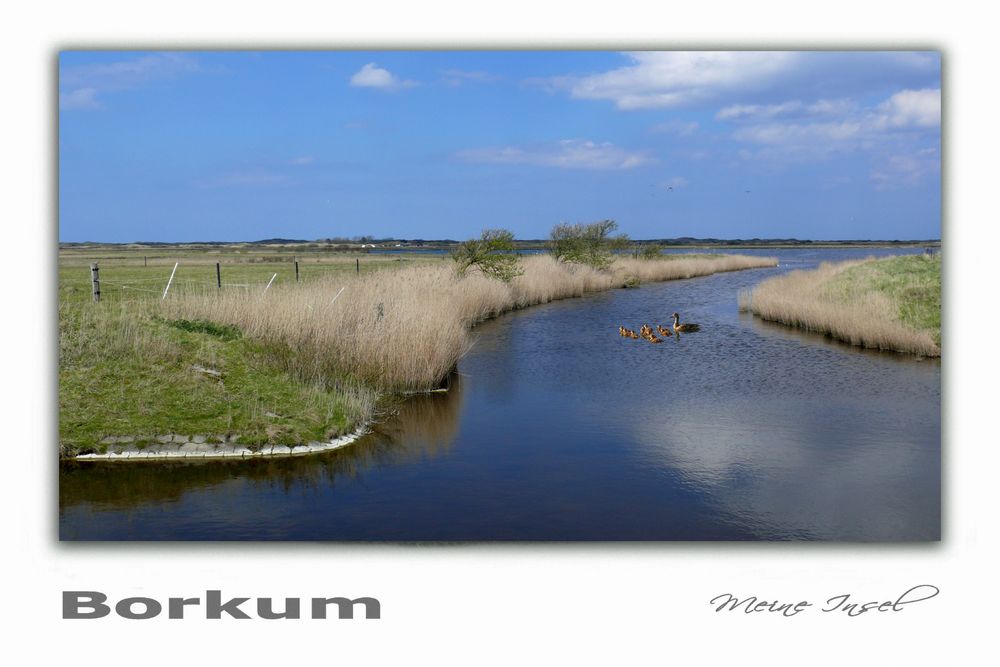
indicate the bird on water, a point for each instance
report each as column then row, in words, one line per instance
column 687, row 327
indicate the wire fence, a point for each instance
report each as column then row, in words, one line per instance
column 123, row 281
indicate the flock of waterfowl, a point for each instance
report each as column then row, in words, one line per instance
column 646, row 331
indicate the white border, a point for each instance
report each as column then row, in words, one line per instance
column 558, row 604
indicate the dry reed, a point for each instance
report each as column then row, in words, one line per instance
column 407, row 328
column 807, row 299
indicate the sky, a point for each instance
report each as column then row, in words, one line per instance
column 242, row 146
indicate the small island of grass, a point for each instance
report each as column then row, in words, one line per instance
column 888, row 304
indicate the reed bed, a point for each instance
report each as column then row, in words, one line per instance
column 848, row 301
column 406, row 329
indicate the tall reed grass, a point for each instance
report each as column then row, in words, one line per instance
column 406, row 329
column 826, row 300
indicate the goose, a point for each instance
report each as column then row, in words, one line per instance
column 684, row 328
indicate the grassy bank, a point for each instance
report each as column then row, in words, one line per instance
column 297, row 362
column 888, row 304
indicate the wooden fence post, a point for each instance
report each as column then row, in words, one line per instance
column 218, row 275
column 95, row 282
column 144, row 260
column 358, row 264
column 296, row 270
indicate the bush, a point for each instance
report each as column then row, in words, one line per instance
column 651, row 251
column 589, row 244
column 493, row 254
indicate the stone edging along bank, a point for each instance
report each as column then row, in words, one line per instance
column 182, row 447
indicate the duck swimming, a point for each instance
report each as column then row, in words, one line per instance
column 684, row 328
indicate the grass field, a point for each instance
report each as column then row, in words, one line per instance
column 138, row 274
column 888, row 304
column 301, row 361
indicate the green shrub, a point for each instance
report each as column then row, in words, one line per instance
column 493, row 253
column 651, row 251
column 589, row 244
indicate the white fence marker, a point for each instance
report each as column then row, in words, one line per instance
column 270, row 281
column 169, row 281
column 335, row 298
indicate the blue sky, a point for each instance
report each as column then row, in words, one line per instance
column 227, row 146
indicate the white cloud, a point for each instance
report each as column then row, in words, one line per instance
column 801, row 142
column 81, row 84
column 81, row 98
column 831, row 107
column 669, row 79
column 791, row 133
column 906, row 170
column 835, row 127
column 760, row 112
column 911, row 108
column 567, row 154
column 373, row 76
column 757, row 111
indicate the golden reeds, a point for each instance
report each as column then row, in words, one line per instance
column 810, row 300
column 407, row 328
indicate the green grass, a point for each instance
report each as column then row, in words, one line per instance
column 223, row 331
column 125, row 277
column 125, row 369
column 124, row 372
column 913, row 282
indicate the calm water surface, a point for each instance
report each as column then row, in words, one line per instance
column 558, row 429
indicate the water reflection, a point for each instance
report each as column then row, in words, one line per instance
column 856, row 474
column 423, row 426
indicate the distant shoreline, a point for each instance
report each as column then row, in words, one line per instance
column 403, row 245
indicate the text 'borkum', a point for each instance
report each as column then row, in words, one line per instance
column 91, row 605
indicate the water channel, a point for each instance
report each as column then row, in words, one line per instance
column 558, row 429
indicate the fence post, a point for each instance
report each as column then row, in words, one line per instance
column 296, row 270
column 95, row 282
column 358, row 264
column 144, row 260
column 218, row 275
column 269, row 282
column 169, row 281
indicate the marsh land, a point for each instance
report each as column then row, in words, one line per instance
column 557, row 428
column 259, row 346
column 891, row 303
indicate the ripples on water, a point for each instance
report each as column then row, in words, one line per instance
column 558, row 429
